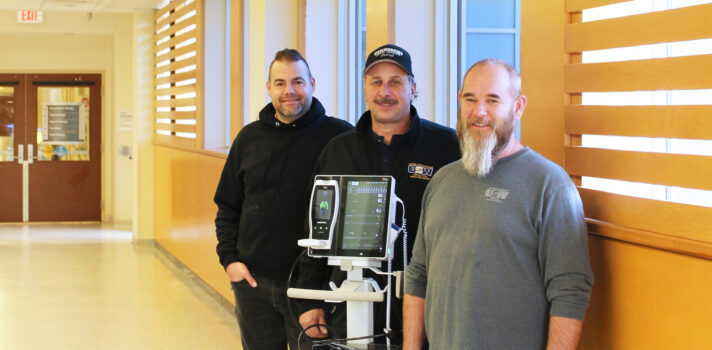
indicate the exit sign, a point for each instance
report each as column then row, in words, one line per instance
column 29, row 16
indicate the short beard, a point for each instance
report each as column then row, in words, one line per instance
column 477, row 156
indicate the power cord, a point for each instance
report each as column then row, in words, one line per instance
column 304, row 333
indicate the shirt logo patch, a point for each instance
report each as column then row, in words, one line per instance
column 420, row 171
column 494, row 194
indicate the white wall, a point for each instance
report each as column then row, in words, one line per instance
column 270, row 27
column 414, row 32
column 321, row 51
column 143, row 105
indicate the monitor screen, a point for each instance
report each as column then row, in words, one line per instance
column 365, row 215
column 323, row 203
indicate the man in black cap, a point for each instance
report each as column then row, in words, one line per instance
column 390, row 138
column 260, row 199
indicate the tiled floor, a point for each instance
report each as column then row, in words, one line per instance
column 84, row 286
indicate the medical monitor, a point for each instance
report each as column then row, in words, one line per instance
column 359, row 225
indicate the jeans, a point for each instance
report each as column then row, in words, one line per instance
column 263, row 316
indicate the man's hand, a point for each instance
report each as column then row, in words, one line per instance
column 311, row 317
column 237, row 272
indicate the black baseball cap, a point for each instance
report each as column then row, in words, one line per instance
column 390, row 53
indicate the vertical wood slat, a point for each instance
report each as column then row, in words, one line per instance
column 199, row 66
column 236, row 81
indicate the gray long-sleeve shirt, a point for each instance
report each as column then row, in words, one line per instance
column 496, row 256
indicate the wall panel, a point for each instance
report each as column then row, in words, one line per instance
column 184, row 212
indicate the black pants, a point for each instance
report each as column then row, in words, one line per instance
column 263, row 316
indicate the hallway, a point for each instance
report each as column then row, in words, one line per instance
column 87, row 286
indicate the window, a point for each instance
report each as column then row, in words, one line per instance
column 352, row 57
column 639, row 119
column 489, row 28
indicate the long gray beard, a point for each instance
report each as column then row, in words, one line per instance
column 477, row 158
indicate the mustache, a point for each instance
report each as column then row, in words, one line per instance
column 385, row 100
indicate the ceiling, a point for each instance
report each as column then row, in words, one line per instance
column 82, row 5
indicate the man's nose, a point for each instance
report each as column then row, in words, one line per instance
column 384, row 90
column 480, row 109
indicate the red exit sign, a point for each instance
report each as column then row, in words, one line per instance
column 29, row 16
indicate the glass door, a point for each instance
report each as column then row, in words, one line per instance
column 64, row 116
column 50, row 137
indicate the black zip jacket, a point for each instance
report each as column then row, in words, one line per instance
column 412, row 159
column 263, row 186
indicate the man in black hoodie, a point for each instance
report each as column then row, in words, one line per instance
column 261, row 200
column 389, row 139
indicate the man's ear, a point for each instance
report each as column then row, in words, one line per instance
column 519, row 106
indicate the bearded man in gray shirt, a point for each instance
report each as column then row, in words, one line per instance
column 501, row 255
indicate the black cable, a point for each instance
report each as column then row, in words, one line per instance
column 332, row 340
column 289, row 279
column 304, row 332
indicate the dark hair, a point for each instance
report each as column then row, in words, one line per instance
column 288, row 55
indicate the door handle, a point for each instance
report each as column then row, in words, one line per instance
column 20, row 154
column 30, row 153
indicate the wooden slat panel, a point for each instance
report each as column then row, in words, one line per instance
column 580, row 5
column 175, row 15
column 647, row 167
column 176, row 52
column 176, row 115
column 167, row 8
column 681, row 220
column 171, row 67
column 174, row 141
column 685, row 122
column 175, row 90
column 675, row 73
column 175, row 41
column 689, row 23
column 176, row 127
column 182, row 102
column 175, row 29
column 175, row 78
column 179, row 127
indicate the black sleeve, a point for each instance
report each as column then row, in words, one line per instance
column 228, row 197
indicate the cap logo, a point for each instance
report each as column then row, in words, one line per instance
column 388, row 51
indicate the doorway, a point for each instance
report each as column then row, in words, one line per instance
column 50, row 147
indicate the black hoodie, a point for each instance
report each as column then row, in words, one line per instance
column 263, row 187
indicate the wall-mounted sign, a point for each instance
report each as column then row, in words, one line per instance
column 29, row 16
column 63, row 123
